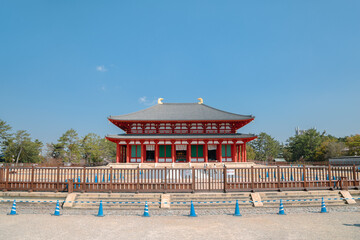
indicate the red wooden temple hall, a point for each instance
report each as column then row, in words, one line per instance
column 180, row 132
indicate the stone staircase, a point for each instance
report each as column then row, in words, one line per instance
column 127, row 200
column 210, row 200
column 290, row 198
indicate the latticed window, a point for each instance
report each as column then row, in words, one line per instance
column 181, row 128
column 136, row 128
column 196, row 128
column 150, row 128
column 211, row 128
column 225, row 128
column 165, row 128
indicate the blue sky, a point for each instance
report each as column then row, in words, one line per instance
column 70, row 64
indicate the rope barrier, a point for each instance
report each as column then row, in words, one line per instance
column 184, row 203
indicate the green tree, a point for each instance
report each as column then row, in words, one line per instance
column 97, row 149
column 353, row 143
column 329, row 148
column 304, row 146
column 92, row 148
column 250, row 154
column 20, row 148
column 68, row 147
column 4, row 133
column 265, row 147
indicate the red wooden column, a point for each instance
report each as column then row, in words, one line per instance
column 233, row 151
column 206, row 157
column 128, row 152
column 220, row 151
column 118, row 154
column 245, row 152
column 142, row 151
column 188, row 152
column 156, row 151
column 242, row 153
column 173, row 151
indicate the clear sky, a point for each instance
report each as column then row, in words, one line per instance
column 71, row 64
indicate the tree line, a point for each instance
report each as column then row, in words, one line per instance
column 18, row 147
column 311, row 145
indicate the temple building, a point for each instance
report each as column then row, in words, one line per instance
column 180, row 132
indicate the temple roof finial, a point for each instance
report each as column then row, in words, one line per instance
column 160, row 100
column 201, row 101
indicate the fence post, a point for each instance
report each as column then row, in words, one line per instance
column 193, row 179
column 7, row 178
column 354, row 175
column 278, row 178
column 111, row 180
column 330, row 177
column 70, row 186
column 304, row 173
column 32, row 179
column 225, row 179
column 84, row 180
column 138, row 180
column 252, row 179
column 165, row 181
column 57, row 179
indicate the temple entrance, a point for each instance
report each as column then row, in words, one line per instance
column 150, row 156
column 212, row 153
column 180, row 156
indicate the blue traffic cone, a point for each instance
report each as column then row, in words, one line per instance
column 103, row 180
column 192, row 210
column 267, row 174
column 282, row 176
column 146, row 210
column 281, row 209
column 57, row 209
column 323, row 207
column 237, row 210
column 13, row 209
column 96, row 180
column 100, row 213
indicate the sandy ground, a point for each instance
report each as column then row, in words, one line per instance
column 336, row 225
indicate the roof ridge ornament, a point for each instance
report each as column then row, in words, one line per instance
column 201, row 101
column 160, row 100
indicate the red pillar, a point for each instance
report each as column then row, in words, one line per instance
column 245, row 152
column 142, row 152
column 233, row 152
column 128, row 152
column 173, row 151
column 118, row 154
column 188, row 152
column 206, row 158
column 220, row 151
column 242, row 153
column 156, row 152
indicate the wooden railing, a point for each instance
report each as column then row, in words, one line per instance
column 83, row 179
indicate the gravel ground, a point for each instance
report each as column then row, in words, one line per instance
column 334, row 225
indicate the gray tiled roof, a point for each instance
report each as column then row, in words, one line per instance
column 181, row 136
column 181, row 111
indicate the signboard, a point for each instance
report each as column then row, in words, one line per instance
column 187, row 173
column 230, row 172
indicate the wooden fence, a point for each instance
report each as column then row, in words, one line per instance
column 82, row 179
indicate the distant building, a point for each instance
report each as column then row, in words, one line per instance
column 299, row 132
column 345, row 160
